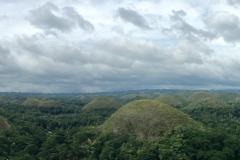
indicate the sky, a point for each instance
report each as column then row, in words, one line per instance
column 69, row 46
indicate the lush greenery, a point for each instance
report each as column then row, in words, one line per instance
column 66, row 131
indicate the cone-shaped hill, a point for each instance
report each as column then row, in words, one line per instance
column 128, row 96
column 226, row 96
column 167, row 100
column 179, row 98
column 148, row 119
column 3, row 124
column 198, row 95
column 32, row 101
column 3, row 100
column 208, row 102
column 103, row 102
column 50, row 103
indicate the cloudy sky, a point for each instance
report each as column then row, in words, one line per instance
column 115, row 45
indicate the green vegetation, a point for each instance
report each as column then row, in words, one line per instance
column 226, row 96
column 198, row 95
column 103, row 102
column 3, row 100
column 167, row 100
column 58, row 128
column 3, row 124
column 51, row 103
column 32, row 101
column 210, row 102
column 148, row 119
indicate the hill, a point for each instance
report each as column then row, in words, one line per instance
column 50, row 103
column 167, row 100
column 208, row 102
column 148, row 119
column 103, row 102
column 3, row 124
column 32, row 101
column 3, row 100
column 198, row 95
column 179, row 98
column 226, row 96
column 128, row 96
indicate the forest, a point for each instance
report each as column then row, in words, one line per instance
column 141, row 125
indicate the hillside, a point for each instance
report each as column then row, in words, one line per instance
column 226, row 96
column 3, row 100
column 3, row 124
column 50, row 103
column 103, row 102
column 198, row 95
column 208, row 102
column 32, row 101
column 167, row 100
column 148, row 119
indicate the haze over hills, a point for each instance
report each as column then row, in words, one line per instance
column 148, row 119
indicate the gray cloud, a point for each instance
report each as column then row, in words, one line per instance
column 226, row 25
column 82, row 23
column 115, row 64
column 186, row 30
column 44, row 18
column 133, row 17
column 235, row 3
column 3, row 17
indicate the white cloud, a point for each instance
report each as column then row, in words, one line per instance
column 81, row 46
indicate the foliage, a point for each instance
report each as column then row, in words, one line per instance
column 148, row 119
column 103, row 102
column 198, row 96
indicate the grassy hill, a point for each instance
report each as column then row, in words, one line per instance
column 3, row 100
column 128, row 96
column 198, row 95
column 148, row 119
column 167, row 100
column 103, row 102
column 50, row 103
column 179, row 98
column 32, row 101
column 226, row 96
column 208, row 102
column 3, row 124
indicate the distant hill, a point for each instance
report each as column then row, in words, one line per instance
column 208, row 102
column 16, row 102
column 148, row 119
column 128, row 96
column 32, row 101
column 50, row 103
column 103, row 102
column 3, row 124
column 179, row 98
column 3, row 100
column 226, row 96
column 167, row 100
column 198, row 95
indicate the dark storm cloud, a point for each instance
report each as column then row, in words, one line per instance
column 133, row 17
column 45, row 18
column 185, row 29
column 226, row 25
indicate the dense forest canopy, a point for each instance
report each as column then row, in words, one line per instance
column 38, row 126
